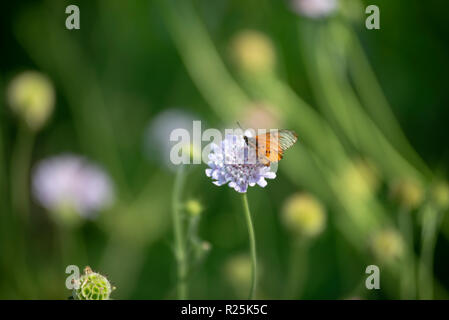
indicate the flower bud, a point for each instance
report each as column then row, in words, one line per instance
column 360, row 178
column 238, row 273
column 440, row 195
column 408, row 193
column 387, row 245
column 31, row 96
column 304, row 215
column 193, row 207
column 253, row 51
column 92, row 286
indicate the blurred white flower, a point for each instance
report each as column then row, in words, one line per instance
column 157, row 136
column 31, row 96
column 314, row 8
column 71, row 183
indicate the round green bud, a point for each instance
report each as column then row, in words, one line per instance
column 253, row 51
column 387, row 245
column 408, row 193
column 193, row 207
column 31, row 96
column 92, row 286
column 304, row 215
column 360, row 178
column 238, row 273
column 440, row 195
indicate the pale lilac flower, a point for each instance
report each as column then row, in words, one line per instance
column 231, row 163
column 314, row 8
column 69, row 181
column 157, row 143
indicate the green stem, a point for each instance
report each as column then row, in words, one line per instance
column 180, row 247
column 408, row 285
column 298, row 269
column 252, row 244
column 20, row 167
column 20, row 164
column 428, row 241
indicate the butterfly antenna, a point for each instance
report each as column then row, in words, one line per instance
column 238, row 123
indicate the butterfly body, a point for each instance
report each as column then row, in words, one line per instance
column 270, row 146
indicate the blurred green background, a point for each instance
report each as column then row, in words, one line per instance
column 364, row 185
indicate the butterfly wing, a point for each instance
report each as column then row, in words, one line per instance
column 270, row 146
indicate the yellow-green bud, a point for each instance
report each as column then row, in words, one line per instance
column 304, row 215
column 387, row 245
column 92, row 286
column 253, row 51
column 360, row 178
column 31, row 96
column 193, row 207
column 408, row 193
column 440, row 194
column 238, row 273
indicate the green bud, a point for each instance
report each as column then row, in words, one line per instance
column 408, row 193
column 31, row 96
column 387, row 245
column 92, row 286
column 253, row 51
column 193, row 207
column 440, row 195
column 304, row 215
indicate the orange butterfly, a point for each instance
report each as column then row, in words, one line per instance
column 270, row 146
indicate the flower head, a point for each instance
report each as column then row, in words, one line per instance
column 31, row 96
column 314, row 8
column 235, row 164
column 69, row 183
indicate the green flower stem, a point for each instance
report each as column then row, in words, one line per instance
column 297, row 269
column 20, row 164
column 430, row 223
column 180, row 246
column 252, row 244
column 407, row 276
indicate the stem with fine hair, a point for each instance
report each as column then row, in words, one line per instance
column 180, row 248
column 252, row 244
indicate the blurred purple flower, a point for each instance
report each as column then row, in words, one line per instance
column 69, row 181
column 230, row 163
column 314, row 8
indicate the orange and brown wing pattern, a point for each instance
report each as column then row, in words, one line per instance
column 270, row 146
